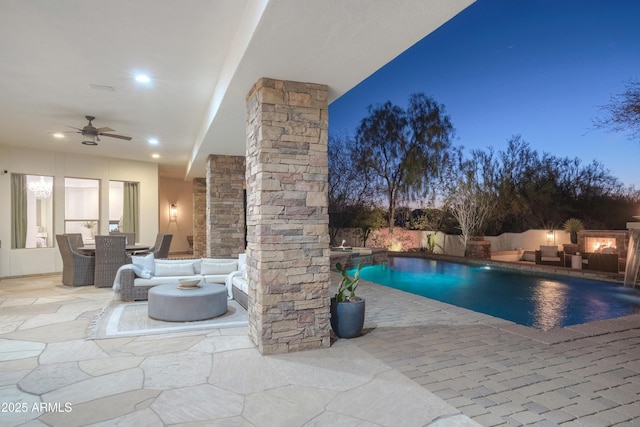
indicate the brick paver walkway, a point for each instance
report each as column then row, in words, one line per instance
column 499, row 373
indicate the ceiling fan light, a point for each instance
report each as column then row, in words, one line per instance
column 90, row 140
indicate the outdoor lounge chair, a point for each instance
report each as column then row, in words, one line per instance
column 550, row 255
column 606, row 262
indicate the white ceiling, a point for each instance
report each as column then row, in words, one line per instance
column 203, row 57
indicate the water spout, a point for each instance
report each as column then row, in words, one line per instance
column 633, row 257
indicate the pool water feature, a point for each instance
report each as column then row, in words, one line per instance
column 541, row 301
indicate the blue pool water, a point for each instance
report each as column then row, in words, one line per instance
column 543, row 302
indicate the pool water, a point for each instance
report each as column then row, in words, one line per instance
column 543, row 302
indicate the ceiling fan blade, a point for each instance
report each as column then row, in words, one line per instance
column 73, row 127
column 105, row 129
column 127, row 138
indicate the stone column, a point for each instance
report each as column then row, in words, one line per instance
column 199, row 217
column 225, row 206
column 287, row 216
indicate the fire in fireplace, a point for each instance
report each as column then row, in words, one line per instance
column 600, row 244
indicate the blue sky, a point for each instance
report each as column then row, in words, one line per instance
column 538, row 68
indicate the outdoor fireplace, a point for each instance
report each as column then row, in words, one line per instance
column 604, row 241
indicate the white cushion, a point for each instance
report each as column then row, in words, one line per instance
column 175, row 269
column 548, row 251
column 210, row 266
column 242, row 262
column 145, row 262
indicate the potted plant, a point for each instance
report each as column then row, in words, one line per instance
column 347, row 310
column 572, row 226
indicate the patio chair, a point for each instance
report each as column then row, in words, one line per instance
column 131, row 237
column 550, row 255
column 75, row 239
column 111, row 254
column 77, row 269
column 161, row 248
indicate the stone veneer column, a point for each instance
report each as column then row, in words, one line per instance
column 199, row 217
column 225, row 206
column 287, row 216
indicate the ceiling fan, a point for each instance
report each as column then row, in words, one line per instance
column 91, row 134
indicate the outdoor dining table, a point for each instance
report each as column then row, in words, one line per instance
column 91, row 249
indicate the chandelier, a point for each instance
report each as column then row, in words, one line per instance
column 41, row 189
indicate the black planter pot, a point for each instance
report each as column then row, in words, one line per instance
column 347, row 318
column 574, row 237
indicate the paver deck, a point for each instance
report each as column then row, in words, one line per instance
column 420, row 362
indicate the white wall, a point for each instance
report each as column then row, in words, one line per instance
column 18, row 262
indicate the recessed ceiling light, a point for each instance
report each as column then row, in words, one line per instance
column 155, row 156
column 143, row 78
column 152, row 141
column 58, row 135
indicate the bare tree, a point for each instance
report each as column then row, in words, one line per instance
column 349, row 189
column 470, row 196
column 622, row 113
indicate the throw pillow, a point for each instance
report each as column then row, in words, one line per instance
column 210, row 266
column 144, row 261
column 242, row 262
column 174, row 269
column 142, row 272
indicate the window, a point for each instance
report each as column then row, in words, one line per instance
column 31, row 211
column 82, row 207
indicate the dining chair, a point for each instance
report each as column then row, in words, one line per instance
column 131, row 237
column 161, row 248
column 111, row 254
column 75, row 239
column 77, row 269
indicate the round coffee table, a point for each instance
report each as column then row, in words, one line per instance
column 170, row 303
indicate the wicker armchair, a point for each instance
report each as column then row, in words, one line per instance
column 111, row 254
column 161, row 248
column 131, row 237
column 77, row 269
column 75, row 239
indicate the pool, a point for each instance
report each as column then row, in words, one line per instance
column 541, row 301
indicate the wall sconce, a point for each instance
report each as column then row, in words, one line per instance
column 173, row 212
column 550, row 236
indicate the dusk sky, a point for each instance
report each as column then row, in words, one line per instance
column 538, row 68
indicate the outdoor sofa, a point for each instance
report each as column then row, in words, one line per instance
column 134, row 280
